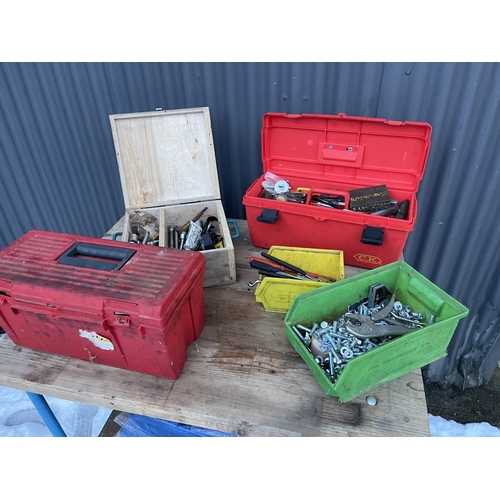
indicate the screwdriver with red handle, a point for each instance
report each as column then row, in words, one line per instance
column 267, row 269
column 285, row 267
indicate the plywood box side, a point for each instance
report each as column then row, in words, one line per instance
column 220, row 266
column 165, row 158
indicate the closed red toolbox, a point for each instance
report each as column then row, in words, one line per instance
column 315, row 156
column 136, row 307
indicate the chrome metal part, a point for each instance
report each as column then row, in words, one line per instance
column 193, row 236
column 281, row 187
column 301, row 327
column 253, row 283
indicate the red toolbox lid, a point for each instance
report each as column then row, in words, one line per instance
column 346, row 149
column 78, row 273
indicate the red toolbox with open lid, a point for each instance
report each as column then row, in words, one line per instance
column 313, row 156
column 136, row 307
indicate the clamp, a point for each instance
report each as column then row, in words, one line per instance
column 370, row 327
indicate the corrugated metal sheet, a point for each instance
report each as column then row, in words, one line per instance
column 59, row 172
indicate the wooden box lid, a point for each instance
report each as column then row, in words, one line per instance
column 165, row 157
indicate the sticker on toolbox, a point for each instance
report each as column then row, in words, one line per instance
column 368, row 259
column 97, row 340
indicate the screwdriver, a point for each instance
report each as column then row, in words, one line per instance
column 270, row 270
column 295, row 269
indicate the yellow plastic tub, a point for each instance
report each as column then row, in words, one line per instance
column 277, row 294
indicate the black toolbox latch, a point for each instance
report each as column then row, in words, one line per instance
column 268, row 216
column 372, row 235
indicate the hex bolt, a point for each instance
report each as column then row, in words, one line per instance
column 336, row 357
column 330, row 340
column 331, row 336
column 324, row 324
column 335, row 326
column 330, row 360
column 314, row 328
column 432, row 318
column 324, row 346
column 301, row 337
column 341, row 337
column 420, row 316
column 320, row 332
column 305, row 329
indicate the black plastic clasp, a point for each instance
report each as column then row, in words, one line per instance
column 372, row 235
column 268, row 216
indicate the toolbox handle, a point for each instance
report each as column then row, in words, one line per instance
column 73, row 256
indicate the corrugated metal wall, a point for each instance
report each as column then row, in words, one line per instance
column 59, row 172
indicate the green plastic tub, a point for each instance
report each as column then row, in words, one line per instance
column 398, row 357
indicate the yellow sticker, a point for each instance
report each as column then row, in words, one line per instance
column 368, row 259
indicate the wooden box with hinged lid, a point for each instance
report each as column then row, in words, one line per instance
column 168, row 172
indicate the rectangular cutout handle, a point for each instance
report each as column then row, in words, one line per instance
column 99, row 257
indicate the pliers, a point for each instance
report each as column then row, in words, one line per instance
column 367, row 326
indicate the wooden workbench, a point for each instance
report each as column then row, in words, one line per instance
column 241, row 376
